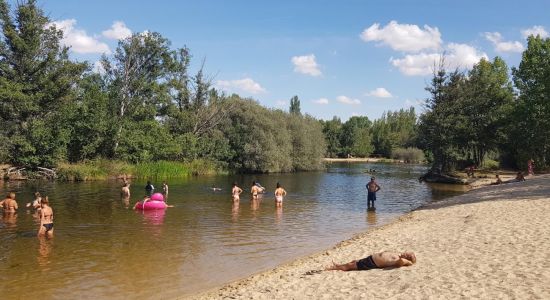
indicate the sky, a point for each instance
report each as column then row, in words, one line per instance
column 341, row 58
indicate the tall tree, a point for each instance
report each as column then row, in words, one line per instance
column 530, row 133
column 36, row 84
column 295, row 106
column 136, row 77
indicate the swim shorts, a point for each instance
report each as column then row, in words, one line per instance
column 48, row 226
column 371, row 196
column 366, row 263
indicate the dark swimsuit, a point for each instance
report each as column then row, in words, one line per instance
column 366, row 263
column 48, row 226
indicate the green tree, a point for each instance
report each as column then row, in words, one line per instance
column 332, row 131
column 295, row 106
column 530, row 131
column 36, row 86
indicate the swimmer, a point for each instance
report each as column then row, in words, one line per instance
column 255, row 190
column 9, row 204
column 279, row 194
column 125, row 191
column 36, row 202
column 46, row 219
column 165, row 188
column 149, row 188
column 380, row 260
column 236, row 192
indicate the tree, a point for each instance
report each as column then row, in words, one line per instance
column 295, row 106
column 135, row 76
column 332, row 131
column 36, row 86
column 530, row 131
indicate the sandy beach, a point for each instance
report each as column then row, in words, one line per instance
column 490, row 243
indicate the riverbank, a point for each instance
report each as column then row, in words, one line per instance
column 491, row 243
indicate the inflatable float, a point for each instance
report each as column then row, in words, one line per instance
column 155, row 202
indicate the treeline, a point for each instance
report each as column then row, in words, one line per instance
column 486, row 113
column 393, row 135
column 143, row 105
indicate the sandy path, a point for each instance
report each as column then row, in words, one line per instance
column 491, row 243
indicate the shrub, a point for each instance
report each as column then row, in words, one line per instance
column 408, row 155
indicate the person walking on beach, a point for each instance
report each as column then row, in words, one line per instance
column 236, row 192
column 380, row 260
column 46, row 219
column 279, row 194
column 372, row 188
column 149, row 188
column 531, row 167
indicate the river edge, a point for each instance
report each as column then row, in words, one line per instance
column 473, row 228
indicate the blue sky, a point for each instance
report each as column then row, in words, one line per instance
column 342, row 58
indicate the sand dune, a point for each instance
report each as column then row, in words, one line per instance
column 491, row 243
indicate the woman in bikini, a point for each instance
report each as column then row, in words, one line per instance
column 236, row 192
column 255, row 190
column 9, row 204
column 279, row 194
column 46, row 219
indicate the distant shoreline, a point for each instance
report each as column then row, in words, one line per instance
column 367, row 159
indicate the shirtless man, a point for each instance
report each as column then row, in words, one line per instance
column 279, row 194
column 165, row 188
column 236, row 192
column 380, row 260
column 9, row 204
column 255, row 190
column 372, row 188
column 46, row 219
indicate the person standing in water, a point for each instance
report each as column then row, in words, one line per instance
column 279, row 194
column 149, row 188
column 36, row 202
column 165, row 189
column 236, row 192
column 46, row 219
column 372, row 188
column 255, row 190
column 125, row 191
column 9, row 204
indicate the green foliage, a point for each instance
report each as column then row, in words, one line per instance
column 529, row 130
column 466, row 114
column 409, row 155
column 332, row 131
column 393, row 130
column 36, row 84
column 295, row 106
column 490, row 164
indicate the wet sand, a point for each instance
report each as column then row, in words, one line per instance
column 490, row 243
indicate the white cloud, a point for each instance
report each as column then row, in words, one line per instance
column 321, row 101
column 404, row 37
column 501, row 46
column 117, row 31
column 78, row 39
column 380, row 93
column 306, row 64
column 246, row 84
column 456, row 56
column 535, row 30
column 347, row 100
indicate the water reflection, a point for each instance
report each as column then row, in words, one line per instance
column 44, row 251
column 371, row 217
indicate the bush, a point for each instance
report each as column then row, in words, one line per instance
column 408, row 155
column 490, row 164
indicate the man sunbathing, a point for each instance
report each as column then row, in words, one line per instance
column 380, row 260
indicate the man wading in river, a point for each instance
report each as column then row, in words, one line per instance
column 372, row 188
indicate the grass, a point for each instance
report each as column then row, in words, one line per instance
column 105, row 169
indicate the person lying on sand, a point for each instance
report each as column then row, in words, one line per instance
column 380, row 260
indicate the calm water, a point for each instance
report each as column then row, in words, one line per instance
column 104, row 250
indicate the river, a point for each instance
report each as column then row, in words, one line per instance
column 102, row 249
